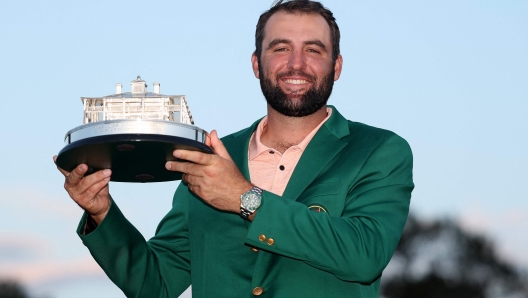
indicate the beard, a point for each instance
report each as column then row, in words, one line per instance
column 296, row 104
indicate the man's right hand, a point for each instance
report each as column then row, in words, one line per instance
column 90, row 192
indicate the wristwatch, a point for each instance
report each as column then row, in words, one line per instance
column 250, row 201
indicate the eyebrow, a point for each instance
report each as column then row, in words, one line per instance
column 278, row 41
column 287, row 41
column 316, row 42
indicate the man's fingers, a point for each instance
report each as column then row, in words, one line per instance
column 208, row 139
column 63, row 172
column 200, row 157
column 82, row 184
column 183, row 167
column 76, row 175
column 191, row 179
column 96, row 188
column 218, row 146
column 194, row 156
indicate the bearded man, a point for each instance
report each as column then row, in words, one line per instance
column 303, row 203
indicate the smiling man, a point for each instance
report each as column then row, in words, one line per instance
column 296, row 67
column 303, row 203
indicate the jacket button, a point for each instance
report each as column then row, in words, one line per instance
column 262, row 237
column 271, row 241
column 258, row 291
column 254, row 249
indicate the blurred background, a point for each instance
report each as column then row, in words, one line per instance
column 451, row 77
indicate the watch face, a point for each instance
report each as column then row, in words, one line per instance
column 251, row 201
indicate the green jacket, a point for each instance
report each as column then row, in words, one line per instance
column 333, row 231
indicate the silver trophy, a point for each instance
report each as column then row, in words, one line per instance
column 133, row 134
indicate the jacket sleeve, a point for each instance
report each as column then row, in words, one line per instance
column 358, row 244
column 157, row 268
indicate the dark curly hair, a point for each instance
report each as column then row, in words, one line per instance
column 300, row 7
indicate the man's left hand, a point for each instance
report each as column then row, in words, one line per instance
column 213, row 177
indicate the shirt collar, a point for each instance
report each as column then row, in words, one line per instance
column 256, row 147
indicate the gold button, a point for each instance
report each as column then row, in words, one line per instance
column 262, row 237
column 254, row 249
column 258, row 291
column 271, row 241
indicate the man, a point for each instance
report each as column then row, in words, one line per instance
column 303, row 203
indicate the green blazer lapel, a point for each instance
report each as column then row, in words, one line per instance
column 237, row 145
column 320, row 151
column 322, row 148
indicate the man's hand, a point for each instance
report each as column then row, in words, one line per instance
column 90, row 192
column 213, row 177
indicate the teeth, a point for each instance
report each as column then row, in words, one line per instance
column 297, row 82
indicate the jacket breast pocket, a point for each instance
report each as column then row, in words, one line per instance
column 324, row 197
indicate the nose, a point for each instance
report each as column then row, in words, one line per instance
column 296, row 61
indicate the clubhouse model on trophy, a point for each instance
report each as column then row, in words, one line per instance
column 132, row 133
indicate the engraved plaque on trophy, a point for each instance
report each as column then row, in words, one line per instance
column 133, row 134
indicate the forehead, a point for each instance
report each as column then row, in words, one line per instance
column 297, row 27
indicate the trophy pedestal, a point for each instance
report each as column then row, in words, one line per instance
column 135, row 150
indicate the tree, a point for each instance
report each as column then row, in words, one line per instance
column 439, row 260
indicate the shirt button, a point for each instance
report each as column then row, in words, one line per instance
column 262, row 237
column 258, row 291
column 254, row 249
column 281, row 168
column 271, row 241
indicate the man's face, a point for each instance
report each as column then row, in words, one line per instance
column 295, row 68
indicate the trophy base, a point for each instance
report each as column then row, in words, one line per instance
column 131, row 157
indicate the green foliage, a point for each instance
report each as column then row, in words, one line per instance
column 12, row 289
column 438, row 259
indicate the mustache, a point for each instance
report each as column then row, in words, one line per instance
column 299, row 73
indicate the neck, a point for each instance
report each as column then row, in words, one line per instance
column 282, row 132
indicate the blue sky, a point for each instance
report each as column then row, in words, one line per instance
column 451, row 77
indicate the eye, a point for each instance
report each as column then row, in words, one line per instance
column 314, row 51
column 281, row 49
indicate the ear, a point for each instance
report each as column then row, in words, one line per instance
column 338, row 67
column 254, row 65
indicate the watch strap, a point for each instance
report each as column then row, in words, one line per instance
column 245, row 213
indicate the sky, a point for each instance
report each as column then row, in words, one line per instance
column 451, row 77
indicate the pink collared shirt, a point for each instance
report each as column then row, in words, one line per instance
column 268, row 168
